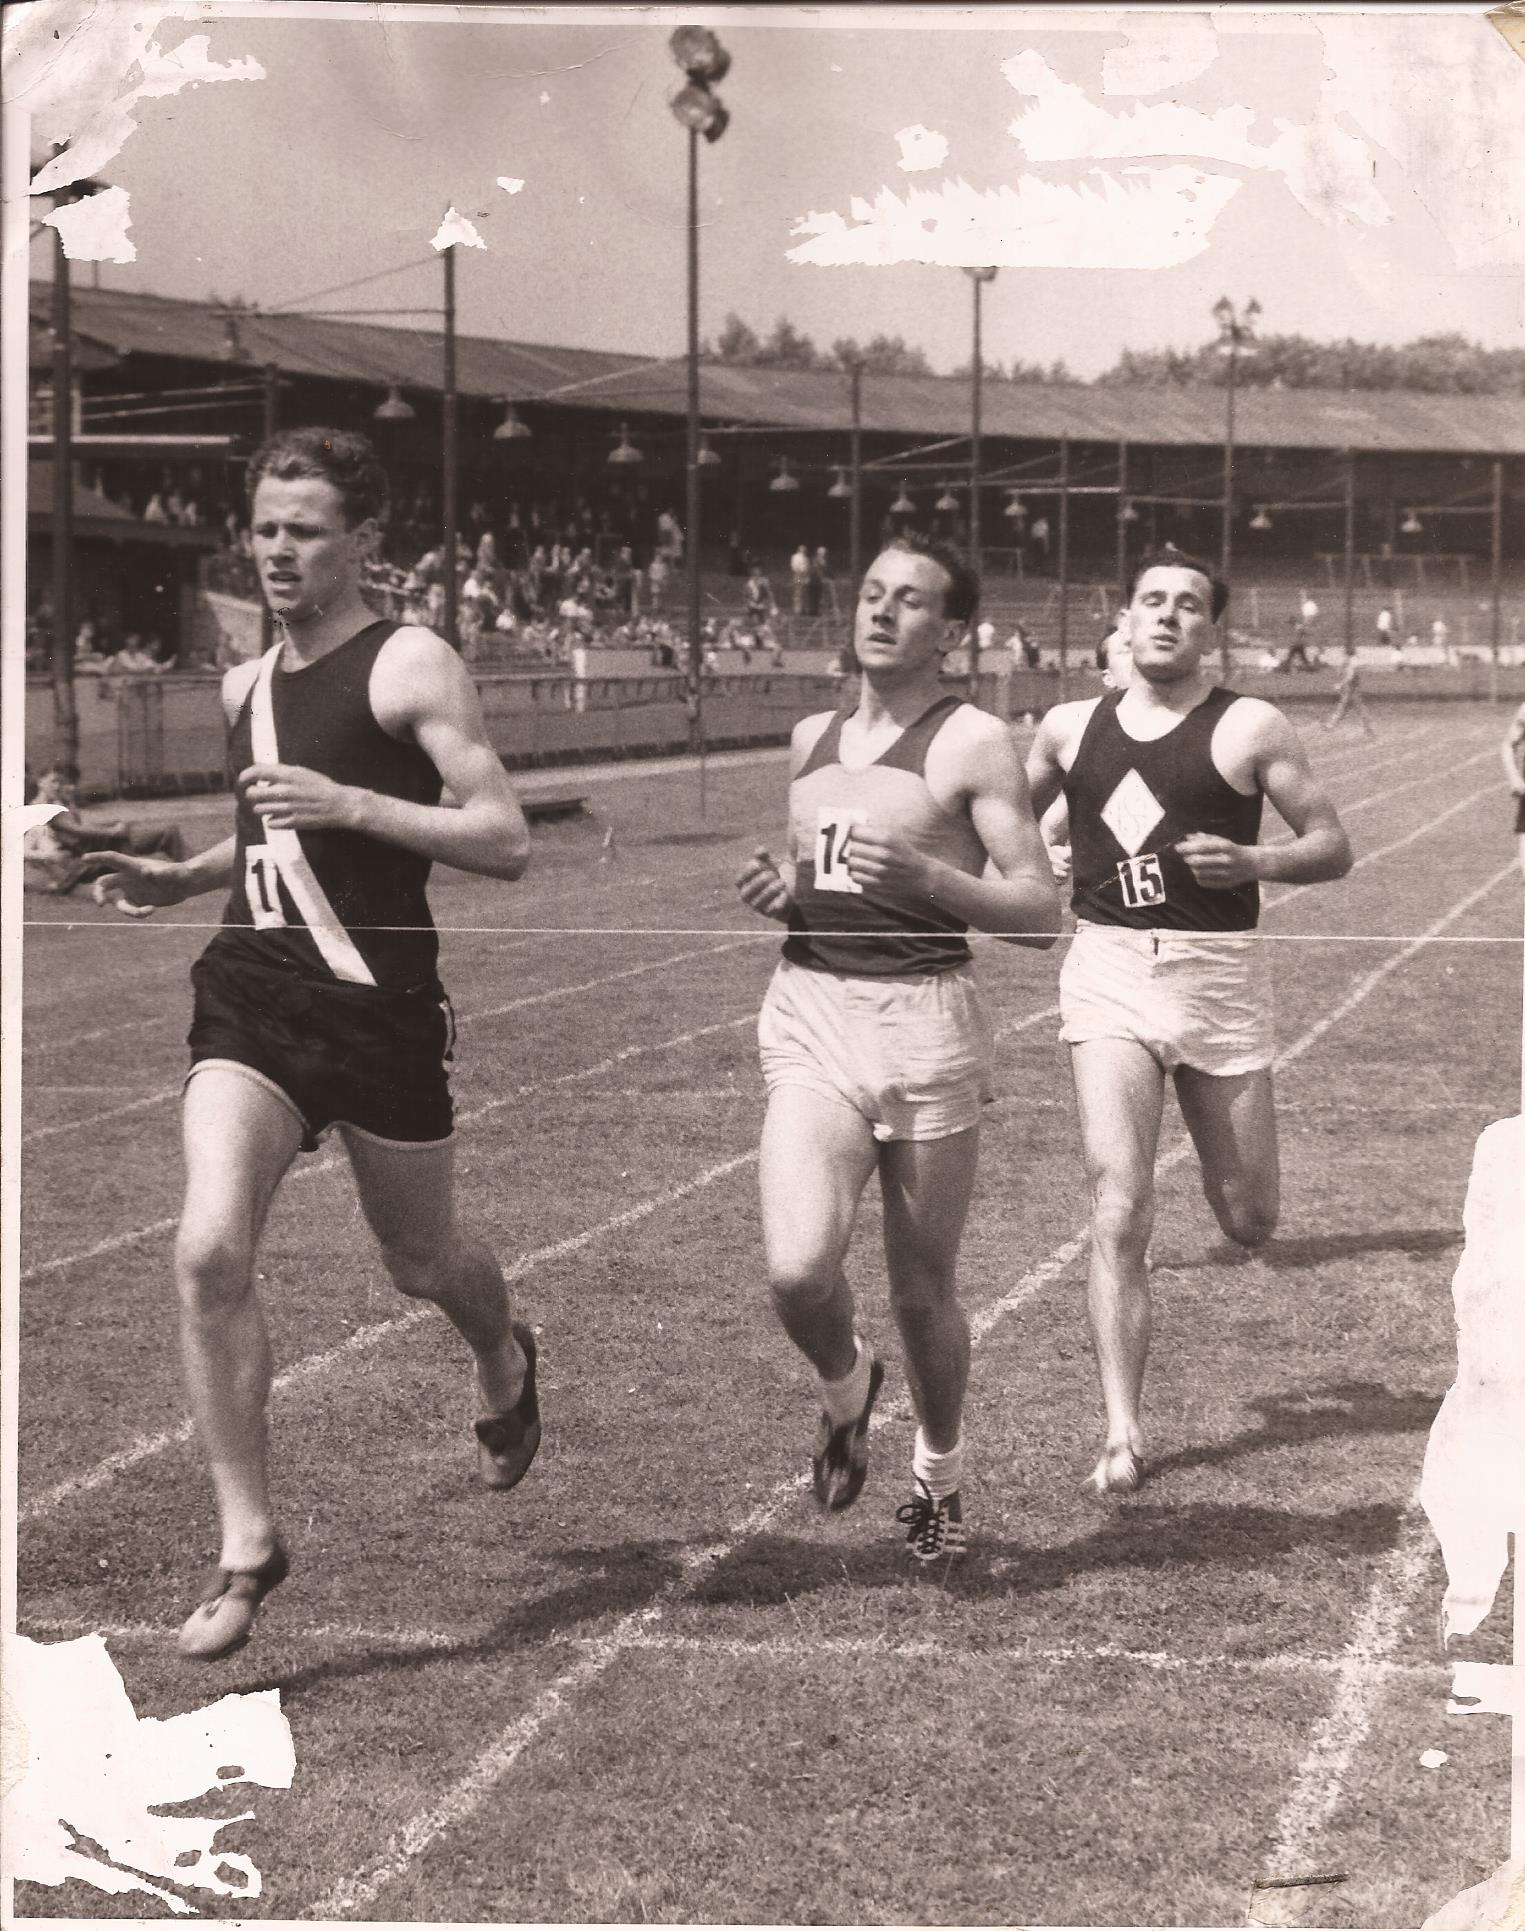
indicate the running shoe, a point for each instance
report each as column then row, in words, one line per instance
column 933, row 1529
column 839, row 1466
column 223, row 1621
column 506, row 1443
column 1120, row 1471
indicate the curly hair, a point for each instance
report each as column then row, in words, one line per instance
column 337, row 456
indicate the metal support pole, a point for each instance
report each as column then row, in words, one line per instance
column 976, row 376
column 451, row 515
column 1350, row 550
column 1496, row 564
column 1064, row 567
column 1122, row 525
column 272, row 396
column 65, row 710
column 695, row 640
column 1226, row 547
column 855, row 518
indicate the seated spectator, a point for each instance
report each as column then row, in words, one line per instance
column 155, row 511
column 66, row 851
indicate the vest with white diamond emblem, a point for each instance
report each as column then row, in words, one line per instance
column 1130, row 801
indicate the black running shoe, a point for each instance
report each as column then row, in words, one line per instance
column 933, row 1529
column 223, row 1621
column 506, row 1444
column 839, row 1466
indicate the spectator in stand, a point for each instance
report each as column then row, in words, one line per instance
column 670, row 537
column 758, row 604
column 815, row 587
column 623, row 579
column 155, row 511
column 1440, row 639
column 1038, row 535
column 799, row 572
column 1385, row 627
column 1021, row 644
column 656, row 578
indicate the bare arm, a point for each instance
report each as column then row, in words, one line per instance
column 1318, row 848
column 1514, row 766
column 420, row 685
column 765, row 884
column 1021, row 903
column 1045, row 774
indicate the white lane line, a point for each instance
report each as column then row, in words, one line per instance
column 330, row 1161
column 363, row 1339
column 800, row 1649
column 1320, row 1781
column 546, row 997
column 353, row 1895
column 1272, row 900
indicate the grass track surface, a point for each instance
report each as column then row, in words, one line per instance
column 651, row 1684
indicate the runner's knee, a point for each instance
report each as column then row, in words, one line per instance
column 1121, row 1220
column 422, row 1274
column 214, row 1268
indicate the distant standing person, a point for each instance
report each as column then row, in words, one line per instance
column 318, row 1004
column 1385, row 628
column 1513, row 749
column 1165, row 977
column 1348, row 697
column 875, row 1046
column 799, row 572
column 1440, row 639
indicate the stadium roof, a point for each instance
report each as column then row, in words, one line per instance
column 1398, row 421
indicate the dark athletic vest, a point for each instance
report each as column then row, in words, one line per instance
column 323, row 720
column 1129, row 803
column 856, row 932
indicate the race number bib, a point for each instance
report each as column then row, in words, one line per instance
column 833, row 831
column 1142, row 880
column 262, row 887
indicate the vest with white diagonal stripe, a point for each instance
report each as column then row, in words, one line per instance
column 1131, row 800
column 323, row 720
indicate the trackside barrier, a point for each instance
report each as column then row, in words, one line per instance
column 157, row 736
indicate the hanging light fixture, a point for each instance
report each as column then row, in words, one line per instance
column 1016, row 509
column 1411, row 526
column 1260, row 521
column 395, row 408
column 841, row 488
column 512, row 429
column 625, row 451
column 902, row 505
column 785, row 480
column 707, row 458
column 947, row 502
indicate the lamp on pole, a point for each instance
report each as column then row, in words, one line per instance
column 1236, row 332
column 700, row 111
column 979, row 277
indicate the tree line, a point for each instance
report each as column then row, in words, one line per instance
column 1439, row 364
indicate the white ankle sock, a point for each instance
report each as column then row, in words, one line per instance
column 844, row 1399
column 943, row 1473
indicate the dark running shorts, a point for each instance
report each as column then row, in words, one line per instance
column 369, row 1057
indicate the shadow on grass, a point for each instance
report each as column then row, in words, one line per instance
column 1315, row 1413
column 1311, row 1250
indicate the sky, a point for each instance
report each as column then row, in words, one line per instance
column 1358, row 173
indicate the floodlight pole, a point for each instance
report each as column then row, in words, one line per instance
column 1064, row 566
column 1122, row 523
column 979, row 277
column 855, row 506
column 695, row 640
column 271, row 399
column 1496, row 560
column 1350, row 551
column 65, row 709
column 447, row 409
